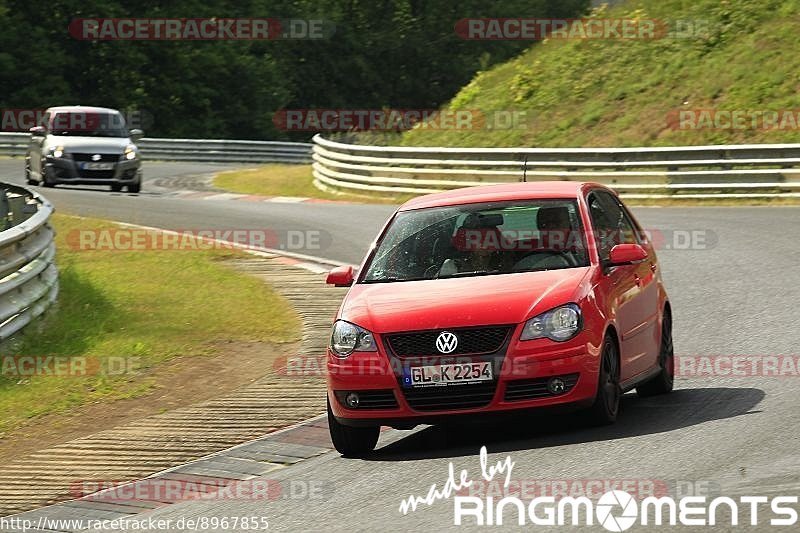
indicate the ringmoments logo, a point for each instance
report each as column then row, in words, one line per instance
column 616, row 500
column 615, row 510
column 618, row 511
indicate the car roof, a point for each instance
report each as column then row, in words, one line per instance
column 80, row 109
column 504, row 192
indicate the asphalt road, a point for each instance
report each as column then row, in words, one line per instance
column 335, row 231
column 721, row 436
column 737, row 295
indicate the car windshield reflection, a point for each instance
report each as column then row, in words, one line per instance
column 479, row 240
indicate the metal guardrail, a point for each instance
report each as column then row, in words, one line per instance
column 226, row 151
column 201, row 150
column 735, row 171
column 28, row 274
column 14, row 143
column 728, row 171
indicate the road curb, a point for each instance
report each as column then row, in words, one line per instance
column 202, row 430
column 309, row 262
column 206, row 478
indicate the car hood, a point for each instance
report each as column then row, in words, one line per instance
column 100, row 145
column 460, row 302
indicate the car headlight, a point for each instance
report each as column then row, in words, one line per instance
column 57, row 151
column 348, row 338
column 559, row 324
column 130, row 152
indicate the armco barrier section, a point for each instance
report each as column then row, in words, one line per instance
column 200, row 150
column 736, row 171
column 28, row 274
column 727, row 171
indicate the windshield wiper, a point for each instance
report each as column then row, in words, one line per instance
column 391, row 280
column 472, row 273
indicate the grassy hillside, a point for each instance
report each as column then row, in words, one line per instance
column 623, row 92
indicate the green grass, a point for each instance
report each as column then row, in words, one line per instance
column 150, row 305
column 584, row 93
column 289, row 180
column 621, row 93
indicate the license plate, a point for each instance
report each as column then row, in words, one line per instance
column 97, row 166
column 435, row 375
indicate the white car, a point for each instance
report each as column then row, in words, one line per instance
column 84, row 145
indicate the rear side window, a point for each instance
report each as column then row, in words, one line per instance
column 612, row 225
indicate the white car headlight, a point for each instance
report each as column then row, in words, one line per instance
column 348, row 338
column 130, row 152
column 559, row 324
column 56, row 151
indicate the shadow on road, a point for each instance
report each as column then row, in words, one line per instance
column 103, row 189
column 638, row 416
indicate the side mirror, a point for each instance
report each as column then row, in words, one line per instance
column 38, row 131
column 626, row 254
column 136, row 134
column 341, row 276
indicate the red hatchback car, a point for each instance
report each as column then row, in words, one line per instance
column 495, row 299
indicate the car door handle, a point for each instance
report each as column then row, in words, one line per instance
column 653, row 267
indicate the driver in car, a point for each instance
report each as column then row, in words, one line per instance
column 481, row 242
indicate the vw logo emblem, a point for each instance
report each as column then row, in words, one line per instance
column 96, row 157
column 446, row 342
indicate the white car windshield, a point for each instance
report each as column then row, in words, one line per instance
column 88, row 124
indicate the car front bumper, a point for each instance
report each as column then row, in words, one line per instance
column 522, row 384
column 66, row 170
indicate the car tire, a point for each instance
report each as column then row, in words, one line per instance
column 664, row 381
column 45, row 178
column 116, row 187
column 352, row 441
column 135, row 187
column 605, row 408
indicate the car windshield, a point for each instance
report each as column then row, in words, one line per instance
column 88, row 124
column 479, row 240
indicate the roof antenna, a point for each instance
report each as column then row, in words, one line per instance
column 525, row 169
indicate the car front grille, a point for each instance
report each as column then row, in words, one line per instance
column 104, row 158
column 532, row 389
column 467, row 396
column 96, row 174
column 472, row 341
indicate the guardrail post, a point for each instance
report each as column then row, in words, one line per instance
column 5, row 210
